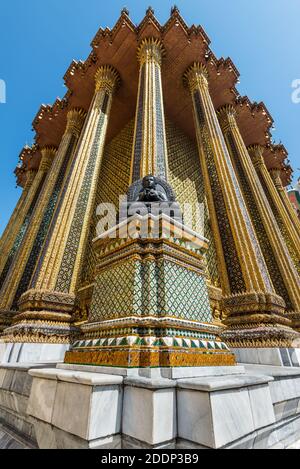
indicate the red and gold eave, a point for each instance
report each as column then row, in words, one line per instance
column 183, row 45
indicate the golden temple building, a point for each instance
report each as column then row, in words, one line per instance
column 152, row 115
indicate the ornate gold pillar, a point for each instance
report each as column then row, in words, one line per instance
column 287, row 227
column 10, row 229
column 21, row 218
column 150, row 147
column 275, row 175
column 280, row 265
column 33, row 236
column 252, row 304
column 48, row 304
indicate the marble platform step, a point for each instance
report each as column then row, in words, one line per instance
column 221, row 383
column 295, row 445
column 10, row 440
column 77, row 377
column 286, row 357
column 167, row 373
column 246, row 406
column 32, row 353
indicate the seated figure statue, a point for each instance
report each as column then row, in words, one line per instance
column 149, row 191
column 152, row 194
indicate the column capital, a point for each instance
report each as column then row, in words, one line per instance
column 256, row 153
column 75, row 121
column 196, row 76
column 275, row 175
column 107, row 78
column 30, row 175
column 227, row 117
column 150, row 50
column 48, row 153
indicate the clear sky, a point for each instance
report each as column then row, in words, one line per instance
column 39, row 39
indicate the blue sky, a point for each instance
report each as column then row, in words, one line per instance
column 39, row 39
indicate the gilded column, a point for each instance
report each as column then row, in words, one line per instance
column 22, row 267
column 53, row 285
column 10, row 229
column 287, row 227
column 22, row 216
column 253, row 306
column 150, row 147
column 275, row 175
column 280, row 265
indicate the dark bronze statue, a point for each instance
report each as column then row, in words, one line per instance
column 149, row 191
column 152, row 194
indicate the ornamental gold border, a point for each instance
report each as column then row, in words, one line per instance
column 150, row 358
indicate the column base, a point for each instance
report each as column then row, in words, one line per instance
column 40, row 327
column 6, row 319
column 258, row 320
column 44, row 318
column 295, row 318
column 268, row 356
column 13, row 353
column 266, row 336
column 149, row 342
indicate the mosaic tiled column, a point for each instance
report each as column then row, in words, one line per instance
column 24, row 263
column 275, row 175
column 280, row 265
column 21, row 218
column 255, row 311
column 150, row 147
column 286, row 225
column 16, row 230
column 47, row 306
column 9, row 233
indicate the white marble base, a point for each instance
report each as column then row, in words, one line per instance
column 86, row 405
column 68, row 409
column 268, row 356
column 153, row 373
column 213, row 412
column 283, row 435
column 149, row 414
column 2, row 350
column 284, row 389
column 196, row 372
column 295, row 356
column 295, row 445
column 49, row 437
column 32, row 353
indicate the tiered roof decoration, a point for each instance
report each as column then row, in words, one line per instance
column 183, row 45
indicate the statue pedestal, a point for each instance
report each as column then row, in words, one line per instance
column 150, row 305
